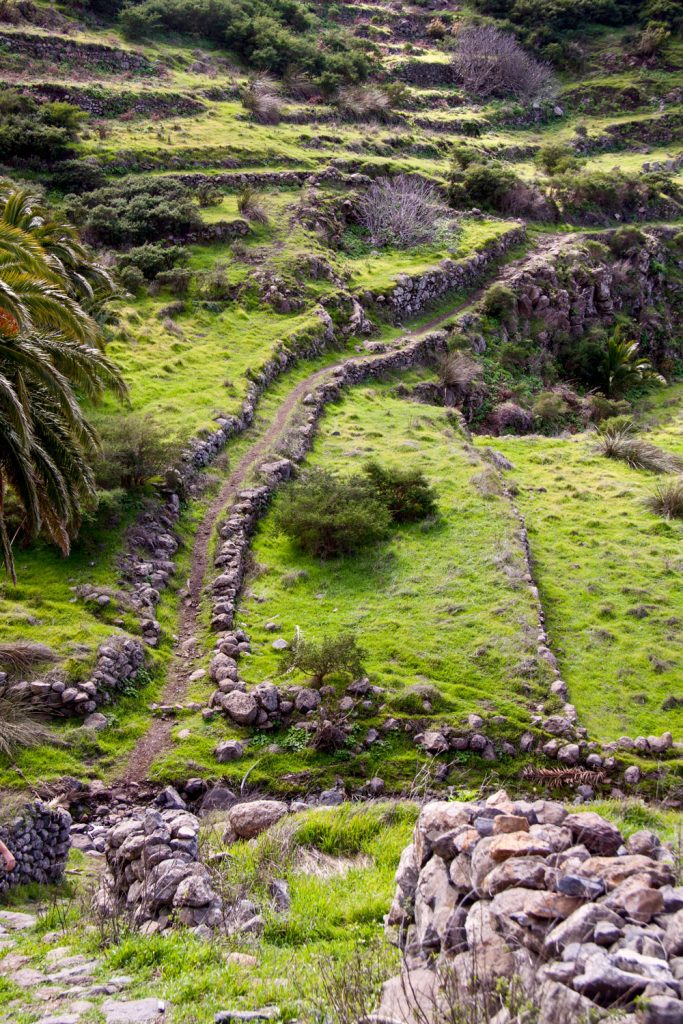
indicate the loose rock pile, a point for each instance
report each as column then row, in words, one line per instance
column 154, row 875
column 503, row 888
column 118, row 661
column 39, row 839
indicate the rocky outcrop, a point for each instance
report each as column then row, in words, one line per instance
column 411, row 294
column 499, row 889
column 117, row 664
column 39, row 839
column 572, row 284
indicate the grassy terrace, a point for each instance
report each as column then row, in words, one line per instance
column 609, row 573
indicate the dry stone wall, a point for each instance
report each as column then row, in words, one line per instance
column 411, row 294
column 117, row 664
column 39, row 839
column 584, row 920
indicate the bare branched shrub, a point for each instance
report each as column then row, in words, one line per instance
column 667, row 500
column 402, row 211
column 363, row 101
column 250, row 205
column 492, row 63
column 349, row 989
column 261, row 98
column 19, row 725
column 619, row 442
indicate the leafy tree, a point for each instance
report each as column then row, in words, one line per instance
column 338, row 655
column 48, row 351
column 134, row 450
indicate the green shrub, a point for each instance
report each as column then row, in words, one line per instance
column 152, row 258
column 550, row 410
column 326, row 515
column 132, row 279
column 135, row 449
column 405, row 492
column 487, row 184
column 177, row 280
column 499, row 302
column 332, row 655
column 556, row 158
column 625, row 238
column 135, row 211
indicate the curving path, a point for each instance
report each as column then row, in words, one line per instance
column 187, row 649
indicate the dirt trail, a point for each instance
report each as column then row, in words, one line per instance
column 187, row 649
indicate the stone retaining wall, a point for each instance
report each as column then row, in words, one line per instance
column 100, row 102
column 411, row 294
column 154, row 874
column 584, row 920
column 117, row 664
column 39, row 839
column 93, row 56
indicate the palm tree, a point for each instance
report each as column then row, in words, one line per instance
column 624, row 368
column 50, row 348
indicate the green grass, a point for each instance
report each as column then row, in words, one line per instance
column 609, row 575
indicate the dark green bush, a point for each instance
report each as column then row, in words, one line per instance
column 35, row 132
column 133, row 212
column 325, row 514
column 78, row 175
column 279, row 36
column 499, row 302
column 132, row 279
column 625, row 238
column 405, row 492
column 488, row 184
column 152, row 258
column 135, row 449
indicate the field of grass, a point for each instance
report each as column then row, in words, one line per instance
column 609, row 573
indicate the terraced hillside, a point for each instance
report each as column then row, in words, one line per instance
column 257, row 317
column 341, row 462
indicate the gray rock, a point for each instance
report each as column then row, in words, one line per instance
column 133, row 1011
column 249, row 819
column 228, row 750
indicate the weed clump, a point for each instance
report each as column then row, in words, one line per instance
column 619, row 442
column 667, row 500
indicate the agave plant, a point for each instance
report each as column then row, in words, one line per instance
column 624, row 368
column 49, row 349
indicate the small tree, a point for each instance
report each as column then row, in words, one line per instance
column 338, row 655
column 326, row 515
column 492, row 63
column 134, row 450
column 402, row 211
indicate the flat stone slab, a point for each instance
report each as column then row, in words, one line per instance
column 134, row 1011
column 265, row 1013
column 15, row 921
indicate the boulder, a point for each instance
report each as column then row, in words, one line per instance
column 249, row 819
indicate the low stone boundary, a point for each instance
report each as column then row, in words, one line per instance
column 499, row 889
column 411, row 294
column 39, row 839
column 117, row 664
column 57, row 49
